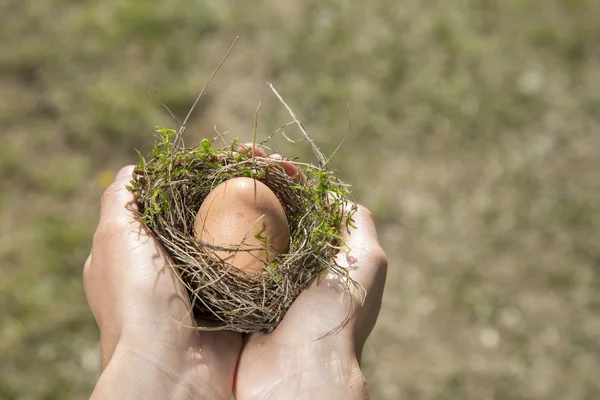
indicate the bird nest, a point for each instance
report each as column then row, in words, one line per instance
column 171, row 184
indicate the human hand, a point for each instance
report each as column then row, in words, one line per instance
column 144, row 314
column 306, row 356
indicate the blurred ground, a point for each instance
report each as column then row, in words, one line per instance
column 475, row 141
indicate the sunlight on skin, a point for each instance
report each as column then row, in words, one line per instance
column 143, row 312
column 311, row 354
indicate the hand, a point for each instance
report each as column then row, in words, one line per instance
column 143, row 312
column 306, row 357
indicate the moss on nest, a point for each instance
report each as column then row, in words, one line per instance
column 171, row 184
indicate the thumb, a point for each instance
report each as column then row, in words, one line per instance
column 117, row 201
column 124, row 174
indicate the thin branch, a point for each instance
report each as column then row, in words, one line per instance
column 291, row 140
column 345, row 136
column 182, row 129
column 154, row 93
column 255, row 129
column 265, row 140
column 221, row 134
column 318, row 153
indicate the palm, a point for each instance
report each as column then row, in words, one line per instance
column 277, row 360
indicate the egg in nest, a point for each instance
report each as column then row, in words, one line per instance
column 246, row 220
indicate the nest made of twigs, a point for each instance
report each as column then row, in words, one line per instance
column 171, row 185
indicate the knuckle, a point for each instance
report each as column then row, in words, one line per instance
column 364, row 211
column 250, row 148
column 379, row 258
column 110, row 229
column 110, row 193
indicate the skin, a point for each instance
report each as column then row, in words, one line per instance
column 142, row 311
column 149, row 351
column 302, row 358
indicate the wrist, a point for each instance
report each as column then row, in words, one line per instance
column 338, row 378
column 326, row 368
column 334, row 374
column 143, row 372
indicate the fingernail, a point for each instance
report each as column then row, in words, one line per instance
column 124, row 173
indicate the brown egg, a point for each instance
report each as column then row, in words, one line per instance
column 234, row 214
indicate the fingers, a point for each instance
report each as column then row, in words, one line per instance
column 368, row 267
column 365, row 257
column 289, row 168
column 117, row 201
column 251, row 147
column 364, row 223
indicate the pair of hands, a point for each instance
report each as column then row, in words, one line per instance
column 143, row 312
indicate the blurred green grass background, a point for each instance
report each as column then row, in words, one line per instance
column 475, row 141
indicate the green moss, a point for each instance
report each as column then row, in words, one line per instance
column 204, row 167
column 166, row 161
column 173, row 182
